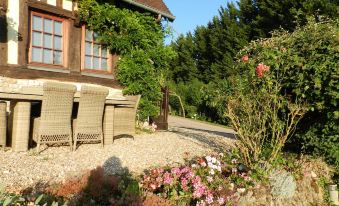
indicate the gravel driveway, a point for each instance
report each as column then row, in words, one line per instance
column 184, row 139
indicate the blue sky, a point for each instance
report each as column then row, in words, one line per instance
column 192, row 13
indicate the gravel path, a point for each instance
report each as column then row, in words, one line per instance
column 21, row 170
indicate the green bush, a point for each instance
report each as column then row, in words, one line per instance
column 308, row 59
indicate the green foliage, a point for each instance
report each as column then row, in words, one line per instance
column 139, row 40
column 208, row 53
column 308, row 58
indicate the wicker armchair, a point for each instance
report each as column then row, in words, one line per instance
column 124, row 119
column 88, row 125
column 3, row 124
column 54, row 123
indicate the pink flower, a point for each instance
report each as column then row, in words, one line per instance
column 189, row 175
column 221, row 200
column 167, row 178
column 158, row 179
column 153, row 186
column 199, row 191
column 261, row 69
column 201, row 203
column 176, row 171
column 209, row 198
column 244, row 58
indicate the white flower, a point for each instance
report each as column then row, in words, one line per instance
column 209, row 179
column 210, row 164
column 212, row 172
column 241, row 190
column 213, row 160
column 221, row 154
column 193, row 165
column 219, row 168
column 234, row 161
column 208, row 158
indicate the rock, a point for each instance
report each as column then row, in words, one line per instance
column 282, row 184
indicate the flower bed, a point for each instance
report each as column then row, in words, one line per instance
column 218, row 179
column 211, row 180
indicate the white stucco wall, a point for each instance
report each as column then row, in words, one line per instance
column 67, row 4
column 12, row 30
column 51, row 2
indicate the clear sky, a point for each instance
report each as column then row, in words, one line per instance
column 192, row 13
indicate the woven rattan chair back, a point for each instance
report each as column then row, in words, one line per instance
column 124, row 118
column 88, row 125
column 54, row 124
column 3, row 124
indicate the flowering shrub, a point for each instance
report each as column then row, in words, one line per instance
column 305, row 62
column 211, row 180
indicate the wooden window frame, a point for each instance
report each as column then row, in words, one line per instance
column 64, row 46
column 83, row 55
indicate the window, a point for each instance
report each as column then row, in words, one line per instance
column 96, row 56
column 47, row 40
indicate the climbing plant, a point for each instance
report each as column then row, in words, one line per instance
column 139, row 41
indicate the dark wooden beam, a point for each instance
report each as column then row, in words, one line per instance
column 23, row 34
column 58, row 11
column 22, row 72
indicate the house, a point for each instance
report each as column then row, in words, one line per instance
column 42, row 39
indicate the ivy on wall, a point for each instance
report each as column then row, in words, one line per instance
column 139, row 41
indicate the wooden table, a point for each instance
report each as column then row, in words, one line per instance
column 21, row 106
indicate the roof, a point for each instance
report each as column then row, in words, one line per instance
column 156, row 6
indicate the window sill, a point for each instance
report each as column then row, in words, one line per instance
column 92, row 74
column 66, row 71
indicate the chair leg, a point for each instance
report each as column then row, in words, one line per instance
column 75, row 143
column 38, row 145
column 70, row 144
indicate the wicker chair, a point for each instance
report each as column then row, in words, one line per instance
column 54, row 123
column 3, row 124
column 124, row 119
column 88, row 125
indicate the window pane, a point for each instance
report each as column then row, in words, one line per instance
column 104, row 52
column 48, row 41
column 48, row 58
column 89, row 35
column 96, row 63
column 95, row 36
column 88, row 48
column 58, row 28
column 48, row 25
column 96, row 49
column 36, row 54
column 57, row 57
column 104, row 64
column 36, row 39
column 37, row 23
column 88, row 62
column 57, row 42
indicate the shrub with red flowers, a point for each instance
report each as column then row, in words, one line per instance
column 211, row 180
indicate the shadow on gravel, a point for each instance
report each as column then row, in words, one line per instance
column 110, row 184
column 214, row 143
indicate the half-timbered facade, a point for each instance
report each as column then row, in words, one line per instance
column 44, row 39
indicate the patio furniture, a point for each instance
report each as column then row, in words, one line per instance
column 124, row 118
column 21, row 115
column 3, row 124
column 108, row 124
column 54, row 123
column 88, row 125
